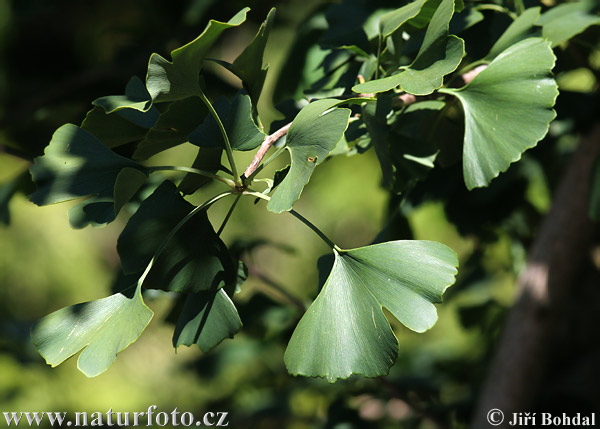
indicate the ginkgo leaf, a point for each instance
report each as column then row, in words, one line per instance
column 206, row 319
column 521, row 28
column 248, row 65
column 76, row 164
column 393, row 20
column 129, row 181
column 313, row 134
column 136, row 97
column 439, row 55
column 194, row 259
column 102, row 328
column 172, row 127
column 567, row 20
column 179, row 78
column 345, row 332
column 236, row 116
column 508, row 109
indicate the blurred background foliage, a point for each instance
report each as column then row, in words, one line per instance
column 58, row 56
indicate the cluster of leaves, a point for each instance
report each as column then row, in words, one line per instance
column 169, row 244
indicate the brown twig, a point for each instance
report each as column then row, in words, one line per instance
column 264, row 147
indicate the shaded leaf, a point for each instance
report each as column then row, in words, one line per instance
column 236, row 116
column 521, row 28
column 564, row 21
column 594, row 192
column 76, row 164
column 508, row 108
column 21, row 183
column 313, row 134
column 129, row 181
column 136, row 97
column 193, row 260
column 206, row 319
column 179, row 78
column 102, row 328
column 345, row 332
column 94, row 211
column 172, row 128
column 248, row 65
column 208, row 159
column 439, row 55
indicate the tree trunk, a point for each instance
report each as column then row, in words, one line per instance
column 554, row 267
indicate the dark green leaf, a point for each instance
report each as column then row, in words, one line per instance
column 178, row 79
column 102, row 328
column 207, row 318
column 112, row 129
column 128, row 182
column 248, row 65
column 172, row 128
column 439, row 55
column 236, row 116
column 136, row 97
column 208, row 159
column 345, row 332
column 594, row 196
column 95, row 211
column 194, row 260
column 508, row 108
column 76, row 164
column 313, row 134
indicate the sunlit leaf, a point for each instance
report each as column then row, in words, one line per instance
column 521, row 28
column 345, row 332
column 313, row 134
column 439, row 55
column 508, row 108
column 393, row 20
column 102, row 328
column 76, row 164
column 179, row 78
column 567, row 20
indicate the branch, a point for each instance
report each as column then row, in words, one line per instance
column 544, row 287
column 264, row 147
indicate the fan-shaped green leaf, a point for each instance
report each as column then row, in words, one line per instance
column 76, row 164
column 207, row 318
column 508, row 108
column 248, row 66
column 208, row 159
column 393, row 20
column 345, row 332
column 172, row 128
column 194, row 260
column 102, row 328
column 136, row 97
column 178, row 79
column 313, row 134
column 567, row 20
column 129, row 181
column 236, row 116
column 439, row 55
column 521, row 28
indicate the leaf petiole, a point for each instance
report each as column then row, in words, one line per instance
column 192, row 170
column 228, row 149
column 177, row 227
column 301, row 218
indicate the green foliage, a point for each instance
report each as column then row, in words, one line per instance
column 344, row 331
column 404, row 65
